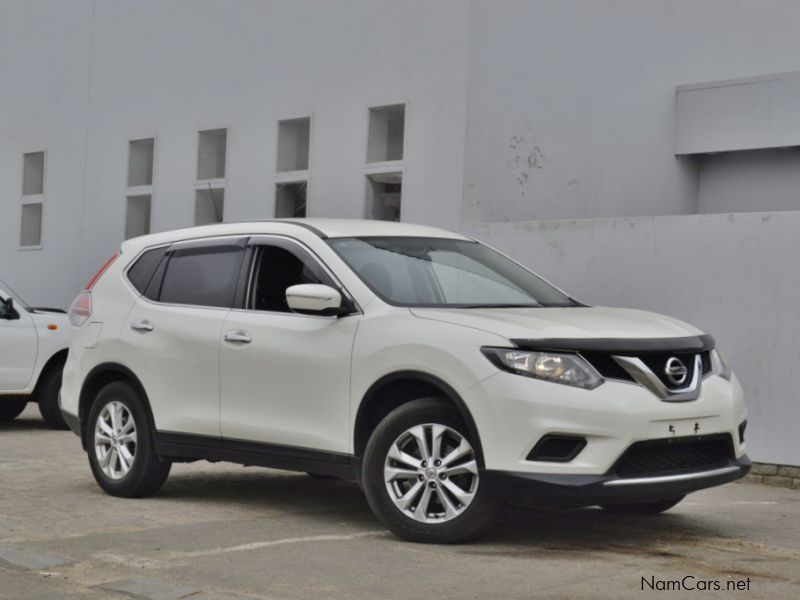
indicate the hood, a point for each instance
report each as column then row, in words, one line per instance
column 573, row 322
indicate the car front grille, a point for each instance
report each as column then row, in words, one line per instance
column 671, row 456
column 610, row 369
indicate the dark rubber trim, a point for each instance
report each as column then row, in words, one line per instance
column 589, row 490
column 72, row 422
column 621, row 346
column 182, row 446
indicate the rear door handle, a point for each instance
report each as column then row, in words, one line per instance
column 238, row 336
column 142, row 325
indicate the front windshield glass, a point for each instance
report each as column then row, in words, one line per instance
column 434, row 272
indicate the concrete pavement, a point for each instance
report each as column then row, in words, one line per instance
column 219, row 531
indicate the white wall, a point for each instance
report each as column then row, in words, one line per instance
column 733, row 275
column 571, row 105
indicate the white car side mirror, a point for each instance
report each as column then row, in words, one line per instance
column 313, row 298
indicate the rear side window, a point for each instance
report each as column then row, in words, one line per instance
column 142, row 271
column 205, row 276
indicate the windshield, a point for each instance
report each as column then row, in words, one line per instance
column 434, row 272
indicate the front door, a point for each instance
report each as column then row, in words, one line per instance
column 18, row 347
column 286, row 376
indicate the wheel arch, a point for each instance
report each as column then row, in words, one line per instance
column 54, row 362
column 398, row 388
column 99, row 377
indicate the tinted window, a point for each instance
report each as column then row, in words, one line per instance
column 143, row 269
column 202, row 276
column 410, row 271
column 277, row 268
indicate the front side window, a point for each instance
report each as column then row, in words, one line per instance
column 277, row 267
column 411, row 271
column 205, row 276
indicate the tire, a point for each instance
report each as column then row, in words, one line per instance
column 47, row 396
column 11, row 408
column 643, row 508
column 119, row 403
column 415, row 504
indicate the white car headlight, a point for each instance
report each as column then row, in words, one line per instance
column 568, row 369
column 719, row 365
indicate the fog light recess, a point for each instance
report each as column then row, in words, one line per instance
column 557, row 448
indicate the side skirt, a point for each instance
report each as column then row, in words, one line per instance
column 182, row 447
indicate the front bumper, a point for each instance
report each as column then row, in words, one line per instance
column 588, row 490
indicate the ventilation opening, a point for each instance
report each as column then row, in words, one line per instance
column 675, row 455
column 290, row 200
column 137, row 216
column 557, row 448
column 384, row 192
column 211, row 154
column 293, row 139
column 209, row 206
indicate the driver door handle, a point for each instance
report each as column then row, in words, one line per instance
column 238, row 336
column 142, row 325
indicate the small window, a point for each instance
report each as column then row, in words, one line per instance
column 384, row 194
column 31, row 234
column 143, row 269
column 33, row 174
column 290, row 200
column 386, row 132
column 209, row 206
column 293, row 140
column 211, row 151
column 140, row 162
column 202, row 276
column 137, row 215
column 279, row 267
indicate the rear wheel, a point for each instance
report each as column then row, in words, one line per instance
column 120, row 444
column 11, row 408
column 643, row 508
column 421, row 475
column 47, row 396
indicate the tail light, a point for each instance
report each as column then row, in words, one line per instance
column 81, row 308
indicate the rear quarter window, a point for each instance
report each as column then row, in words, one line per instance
column 142, row 271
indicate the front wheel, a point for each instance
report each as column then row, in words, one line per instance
column 421, row 475
column 643, row 508
column 120, row 444
column 11, row 408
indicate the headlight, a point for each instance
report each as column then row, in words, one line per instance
column 569, row 369
column 720, row 366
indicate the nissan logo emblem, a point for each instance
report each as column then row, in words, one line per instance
column 676, row 371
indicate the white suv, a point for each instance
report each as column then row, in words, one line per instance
column 33, row 348
column 437, row 373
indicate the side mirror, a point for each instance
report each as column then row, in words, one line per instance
column 7, row 310
column 314, row 298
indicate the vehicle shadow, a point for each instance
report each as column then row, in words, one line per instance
column 515, row 531
column 25, row 423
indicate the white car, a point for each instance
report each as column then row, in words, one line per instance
column 33, row 349
column 437, row 373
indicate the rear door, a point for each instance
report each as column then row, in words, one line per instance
column 18, row 347
column 171, row 336
column 286, row 376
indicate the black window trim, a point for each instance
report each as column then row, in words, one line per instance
column 248, row 271
column 233, row 240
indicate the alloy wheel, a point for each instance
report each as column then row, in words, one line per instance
column 115, row 440
column 431, row 473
